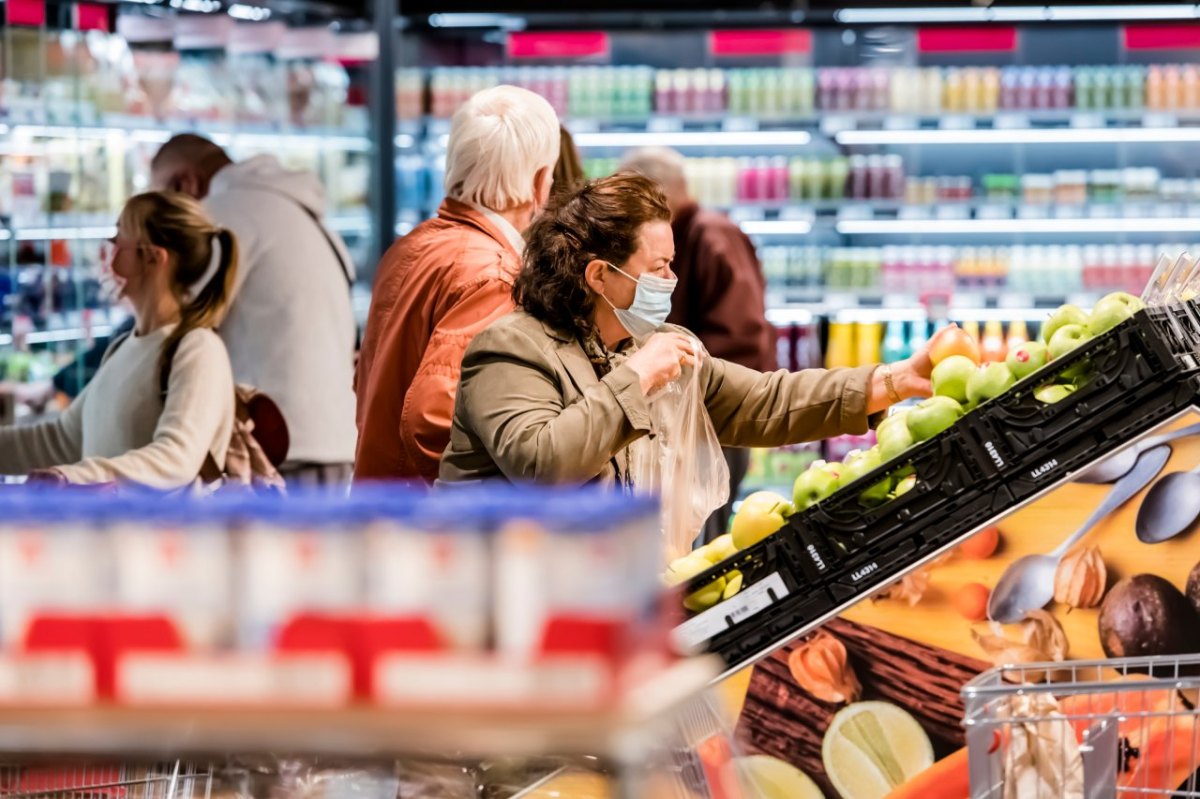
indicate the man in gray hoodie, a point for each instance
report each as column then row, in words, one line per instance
column 290, row 330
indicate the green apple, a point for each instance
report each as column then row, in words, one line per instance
column 951, row 375
column 904, row 486
column 813, row 485
column 720, row 548
column 932, row 417
column 894, row 440
column 1111, row 310
column 1067, row 338
column 1052, row 393
column 1027, row 358
column 989, row 382
column 1065, row 315
column 759, row 515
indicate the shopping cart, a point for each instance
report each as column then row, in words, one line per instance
column 169, row 780
column 1105, row 729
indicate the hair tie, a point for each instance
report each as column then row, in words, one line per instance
column 214, row 264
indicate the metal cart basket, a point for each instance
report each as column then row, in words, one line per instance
column 1105, row 729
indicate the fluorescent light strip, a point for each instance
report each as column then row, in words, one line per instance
column 976, row 226
column 5, row 235
column 695, row 138
column 64, row 233
column 1026, row 136
column 1033, row 13
column 776, row 227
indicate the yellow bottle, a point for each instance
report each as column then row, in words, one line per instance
column 840, row 351
column 1018, row 334
column 993, row 347
column 869, row 343
column 972, row 329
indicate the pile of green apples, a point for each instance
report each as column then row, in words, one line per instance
column 960, row 381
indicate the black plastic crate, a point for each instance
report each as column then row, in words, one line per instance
column 949, row 465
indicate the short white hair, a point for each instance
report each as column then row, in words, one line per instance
column 664, row 166
column 499, row 139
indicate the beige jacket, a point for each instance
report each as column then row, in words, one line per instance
column 530, row 407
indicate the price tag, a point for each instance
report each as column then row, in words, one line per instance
column 746, row 213
column 1166, row 210
column 954, row 212
column 1011, row 122
column 1068, row 211
column 1010, row 300
column 994, row 211
column 584, row 126
column 956, row 122
column 1102, row 211
column 900, row 123
column 695, row 631
column 1087, row 121
column 739, row 124
column 1160, row 121
column 914, row 212
column 831, row 125
column 798, row 213
column 664, row 125
column 855, row 212
column 1032, row 211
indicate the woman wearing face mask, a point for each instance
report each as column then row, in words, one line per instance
column 176, row 270
column 557, row 391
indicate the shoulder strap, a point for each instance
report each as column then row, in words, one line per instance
column 114, row 345
column 337, row 253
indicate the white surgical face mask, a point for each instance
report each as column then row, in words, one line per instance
column 651, row 304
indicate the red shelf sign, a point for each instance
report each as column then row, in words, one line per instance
column 971, row 39
column 759, row 42
column 91, row 17
column 1161, row 37
column 26, row 12
column 564, row 44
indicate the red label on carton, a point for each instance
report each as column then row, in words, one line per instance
column 26, row 12
column 1161, row 37
column 759, row 42
column 92, row 17
column 969, row 39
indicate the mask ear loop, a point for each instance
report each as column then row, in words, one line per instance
column 210, row 271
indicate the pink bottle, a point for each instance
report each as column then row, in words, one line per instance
column 747, row 185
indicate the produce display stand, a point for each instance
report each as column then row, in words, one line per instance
column 996, row 459
column 651, row 733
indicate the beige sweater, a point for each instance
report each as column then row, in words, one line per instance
column 118, row 429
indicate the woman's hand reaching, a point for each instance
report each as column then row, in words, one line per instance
column 661, row 359
column 909, row 378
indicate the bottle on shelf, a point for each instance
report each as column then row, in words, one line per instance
column 971, row 327
column 868, row 339
column 993, row 346
column 841, row 349
column 1018, row 334
column 895, row 342
column 918, row 337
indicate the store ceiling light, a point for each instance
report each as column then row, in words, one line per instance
column 249, row 13
column 695, row 138
column 1033, row 13
column 905, row 227
column 1019, row 136
column 503, row 21
column 776, row 227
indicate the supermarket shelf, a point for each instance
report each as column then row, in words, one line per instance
column 995, row 136
column 91, row 227
column 357, row 732
column 801, row 307
column 138, row 130
column 1062, row 226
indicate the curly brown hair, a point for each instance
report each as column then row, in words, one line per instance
column 600, row 221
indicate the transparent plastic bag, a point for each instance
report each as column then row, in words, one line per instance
column 682, row 463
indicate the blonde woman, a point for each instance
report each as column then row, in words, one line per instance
column 176, row 269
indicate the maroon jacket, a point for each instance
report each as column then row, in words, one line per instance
column 721, row 296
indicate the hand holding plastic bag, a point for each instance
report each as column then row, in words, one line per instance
column 682, row 462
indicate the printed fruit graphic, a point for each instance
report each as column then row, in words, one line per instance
column 1112, row 310
column 950, row 377
column 982, row 545
column 971, row 601
column 932, row 416
column 989, row 382
column 1146, row 615
column 760, row 514
column 953, row 341
column 1052, row 393
column 812, row 486
column 871, row 748
column 769, row 777
column 1065, row 315
column 1067, row 338
column 1027, row 358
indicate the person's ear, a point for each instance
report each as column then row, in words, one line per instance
column 543, row 182
column 595, row 274
column 155, row 256
column 187, row 181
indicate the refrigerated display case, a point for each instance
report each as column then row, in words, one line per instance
column 83, row 112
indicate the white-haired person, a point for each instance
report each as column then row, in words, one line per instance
column 290, row 330
column 448, row 279
column 721, row 296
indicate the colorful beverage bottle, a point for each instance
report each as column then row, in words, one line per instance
column 993, row 347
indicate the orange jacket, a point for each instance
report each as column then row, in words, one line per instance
column 435, row 289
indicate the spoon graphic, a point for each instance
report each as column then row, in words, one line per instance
column 1028, row 584
column 1119, row 463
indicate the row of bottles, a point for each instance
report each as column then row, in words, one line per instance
column 630, row 92
column 863, row 343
